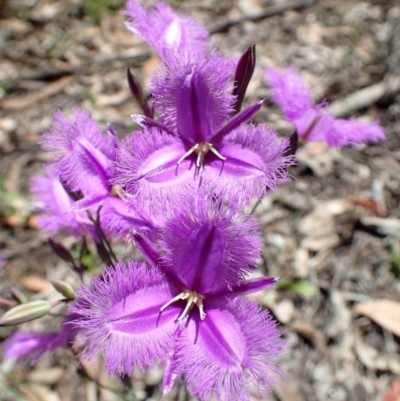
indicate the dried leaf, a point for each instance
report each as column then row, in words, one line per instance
column 35, row 283
column 393, row 393
column 384, row 312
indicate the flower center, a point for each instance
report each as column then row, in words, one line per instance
column 192, row 298
column 116, row 190
column 201, row 149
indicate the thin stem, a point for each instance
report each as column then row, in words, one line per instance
column 102, row 236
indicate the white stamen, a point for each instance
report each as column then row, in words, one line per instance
column 201, row 149
column 193, row 298
column 188, row 153
column 182, row 295
column 216, row 153
column 188, row 306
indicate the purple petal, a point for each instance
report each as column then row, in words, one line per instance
column 236, row 121
column 231, row 353
column 246, row 287
column 147, row 168
column 254, row 162
column 192, row 97
column 147, row 249
column 87, row 203
column 210, row 247
column 166, row 31
column 289, row 92
column 170, row 374
column 82, row 153
column 343, row 132
column 121, row 319
column 53, row 201
column 21, row 344
column 122, row 219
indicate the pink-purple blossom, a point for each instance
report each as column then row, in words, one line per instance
column 188, row 310
column 196, row 144
column 312, row 122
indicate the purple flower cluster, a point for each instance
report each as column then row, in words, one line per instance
column 176, row 188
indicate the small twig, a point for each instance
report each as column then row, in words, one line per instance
column 21, row 102
column 269, row 12
column 365, row 97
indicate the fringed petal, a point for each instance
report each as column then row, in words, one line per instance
column 147, row 167
column 191, row 96
column 21, row 345
column 289, row 92
column 231, row 353
column 121, row 318
column 54, row 202
column 344, row 132
column 254, row 163
column 210, row 246
column 121, row 219
column 82, row 153
column 166, row 31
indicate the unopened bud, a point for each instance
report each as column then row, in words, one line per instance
column 25, row 313
column 61, row 251
column 63, row 288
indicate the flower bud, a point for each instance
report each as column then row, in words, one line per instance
column 63, row 288
column 25, row 313
column 61, row 251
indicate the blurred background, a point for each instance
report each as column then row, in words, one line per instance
column 332, row 235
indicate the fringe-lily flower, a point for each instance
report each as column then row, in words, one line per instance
column 82, row 158
column 195, row 144
column 313, row 123
column 187, row 310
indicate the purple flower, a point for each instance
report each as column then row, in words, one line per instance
column 312, row 122
column 54, row 202
column 189, row 311
column 2, row 261
column 82, row 156
column 21, row 344
column 168, row 33
column 196, row 144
